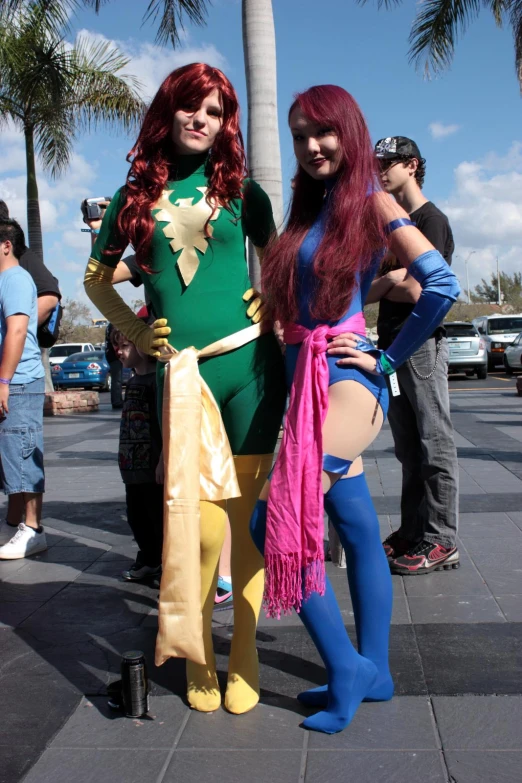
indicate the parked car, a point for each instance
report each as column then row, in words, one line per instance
column 88, row 370
column 467, row 349
column 513, row 356
column 59, row 353
column 498, row 331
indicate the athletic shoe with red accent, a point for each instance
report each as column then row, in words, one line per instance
column 395, row 545
column 425, row 557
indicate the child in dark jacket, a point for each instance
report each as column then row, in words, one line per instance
column 140, row 460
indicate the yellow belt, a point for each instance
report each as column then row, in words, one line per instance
column 198, row 466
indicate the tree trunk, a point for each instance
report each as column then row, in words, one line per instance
column 264, row 156
column 34, row 226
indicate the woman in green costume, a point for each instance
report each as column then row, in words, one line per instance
column 187, row 209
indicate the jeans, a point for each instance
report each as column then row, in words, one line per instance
column 21, row 439
column 116, row 371
column 424, row 445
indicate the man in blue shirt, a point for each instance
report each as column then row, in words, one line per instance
column 22, row 389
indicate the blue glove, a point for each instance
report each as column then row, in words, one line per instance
column 440, row 289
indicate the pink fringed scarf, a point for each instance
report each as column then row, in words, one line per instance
column 294, row 550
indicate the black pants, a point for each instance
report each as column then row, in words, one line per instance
column 116, row 371
column 145, row 518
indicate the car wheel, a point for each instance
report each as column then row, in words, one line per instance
column 470, row 373
column 507, row 369
column 482, row 373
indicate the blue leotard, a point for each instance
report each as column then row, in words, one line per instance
column 306, row 289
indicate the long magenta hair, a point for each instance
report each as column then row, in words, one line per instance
column 153, row 158
column 354, row 230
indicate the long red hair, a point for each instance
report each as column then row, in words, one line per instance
column 354, row 230
column 153, row 158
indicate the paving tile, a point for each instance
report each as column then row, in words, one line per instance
column 465, row 580
column 502, row 582
column 511, row 605
column 95, row 725
column 516, row 517
column 59, row 765
column 484, row 767
column 325, row 766
column 69, row 554
column 35, row 572
column 404, row 723
column 479, row 722
column 455, row 609
column 471, row 657
column 237, row 766
column 266, row 726
column 16, row 760
column 15, row 612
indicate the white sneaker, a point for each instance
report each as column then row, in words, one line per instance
column 26, row 541
column 6, row 531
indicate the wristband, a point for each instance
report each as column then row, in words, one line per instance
column 6, row 381
column 384, row 366
column 398, row 223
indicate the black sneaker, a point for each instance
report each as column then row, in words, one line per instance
column 395, row 545
column 424, row 558
column 140, row 572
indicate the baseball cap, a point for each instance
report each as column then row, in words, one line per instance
column 397, row 147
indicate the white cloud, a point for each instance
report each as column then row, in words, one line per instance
column 439, row 131
column 150, row 64
column 485, row 212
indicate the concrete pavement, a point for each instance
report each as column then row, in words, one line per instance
column 66, row 617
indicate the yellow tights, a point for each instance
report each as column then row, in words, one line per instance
column 247, row 580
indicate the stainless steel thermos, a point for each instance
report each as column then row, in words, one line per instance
column 135, row 684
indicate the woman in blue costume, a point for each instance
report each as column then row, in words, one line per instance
column 316, row 277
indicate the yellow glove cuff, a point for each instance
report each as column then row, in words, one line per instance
column 100, row 290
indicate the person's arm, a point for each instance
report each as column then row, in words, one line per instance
column 260, row 228
column 46, row 304
column 440, row 289
column 404, row 288
column 379, row 288
column 17, row 304
column 99, row 285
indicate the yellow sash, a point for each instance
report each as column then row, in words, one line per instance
column 198, row 466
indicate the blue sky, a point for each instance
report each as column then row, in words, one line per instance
column 467, row 122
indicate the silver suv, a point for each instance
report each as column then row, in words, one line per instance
column 467, row 350
column 498, row 331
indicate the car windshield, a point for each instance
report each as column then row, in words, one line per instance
column 460, row 330
column 63, row 350
column 501, row 325
column 86, row 357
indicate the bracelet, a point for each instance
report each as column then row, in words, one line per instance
column 5, row 380
column 384, row 366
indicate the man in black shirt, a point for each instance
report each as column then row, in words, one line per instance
column 420, row 416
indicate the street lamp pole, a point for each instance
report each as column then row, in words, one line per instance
column 467, row 273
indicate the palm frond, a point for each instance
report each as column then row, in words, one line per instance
column 55, row 14
column 172, row 14
column 516, row 24
column 387, row 4
column 54, row 138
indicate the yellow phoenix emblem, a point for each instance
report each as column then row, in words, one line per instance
column 186, row 228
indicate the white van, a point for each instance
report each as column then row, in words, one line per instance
column 59, row 353
column 497, row 331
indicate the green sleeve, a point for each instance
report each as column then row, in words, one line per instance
column 109, row 237
column 258, row 219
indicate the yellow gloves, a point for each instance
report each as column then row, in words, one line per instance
column 258, row 309
column 99, row 289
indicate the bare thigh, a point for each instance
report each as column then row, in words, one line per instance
column 353, row 422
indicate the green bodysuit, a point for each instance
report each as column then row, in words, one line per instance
column 197, row 284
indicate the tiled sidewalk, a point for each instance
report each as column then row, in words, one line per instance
column 65, row 619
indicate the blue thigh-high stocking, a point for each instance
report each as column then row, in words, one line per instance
column 349, row 505
column 350, row 675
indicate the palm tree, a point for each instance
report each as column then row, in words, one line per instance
column 439, row 23
column 53, row 91
column 264, row 155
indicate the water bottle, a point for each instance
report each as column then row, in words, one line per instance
column 135, row 684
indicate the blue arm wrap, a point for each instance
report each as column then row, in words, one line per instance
column 440, row 288
column 397, row 224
